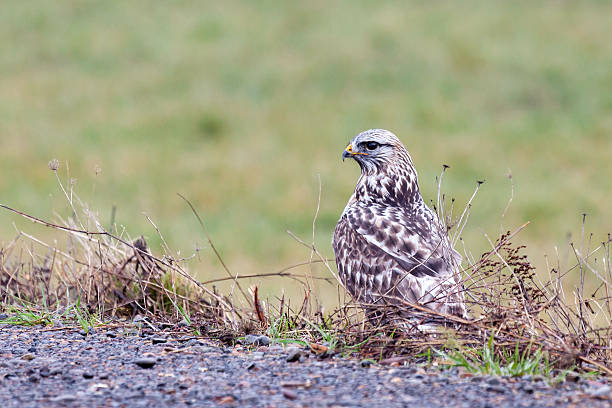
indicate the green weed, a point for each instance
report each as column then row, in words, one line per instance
column 503, row 362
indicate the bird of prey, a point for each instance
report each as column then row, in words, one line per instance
column 390, row 247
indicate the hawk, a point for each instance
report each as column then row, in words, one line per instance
column 390, row 246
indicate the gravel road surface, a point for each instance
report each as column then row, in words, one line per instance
column 117, row 367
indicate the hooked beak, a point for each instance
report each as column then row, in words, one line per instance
column 348, row 152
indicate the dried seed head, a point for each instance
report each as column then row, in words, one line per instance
column 53, row 165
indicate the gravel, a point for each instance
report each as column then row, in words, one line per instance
column 68, row 369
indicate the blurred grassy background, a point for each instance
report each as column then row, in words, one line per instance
column 239, row 105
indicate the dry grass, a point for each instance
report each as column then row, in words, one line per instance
column 112, row 274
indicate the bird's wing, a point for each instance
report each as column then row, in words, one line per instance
column 367, row 271
column 372, row 275
column 413, row 239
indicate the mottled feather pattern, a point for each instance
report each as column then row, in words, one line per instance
column 388, row 244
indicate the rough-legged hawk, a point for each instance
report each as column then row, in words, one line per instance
column 390, row 247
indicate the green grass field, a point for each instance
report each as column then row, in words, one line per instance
column 240, row 106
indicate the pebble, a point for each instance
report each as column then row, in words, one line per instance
column 55, row 371
column 145, row 362
column 291, row 395
column 191, row 343
column 366, row 363
column 493, row 381
column 294, row 354
column 183, row 323
column 28, row 357
column 249, row 339
column 3, row 316
column 88, row 375
column 64, row 398
column 158, row 340
column 496, row 388
column 262, row 341
column 528, row 388
column 600, row 392
column 252, row 339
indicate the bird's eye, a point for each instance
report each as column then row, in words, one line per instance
column 371, row 145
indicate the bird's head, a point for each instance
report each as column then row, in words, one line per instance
column 387, row 172
column 375, row 149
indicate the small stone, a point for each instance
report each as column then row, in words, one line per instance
column 496, row 388
column 494, row 381
column 573, row 376
column 291, row 395
column 417, row 370
column 262, row 341
column 88, row 375
column 294, row 354
column 190, row 343
column 226, row 399
column 64, row 398
column 600, row 392
column 366, row 363
column 538, row 378
column 97, row 388
column 252, row 366
column 158, row 340
column 3, row 316
column 28, row 357
column 183, row 323
column 145, row 362
column 258, row 355
column 44, row 372
column 250, row 339
column 33, row 378
column 55, row 371
column 111, row 334
column 528, row 388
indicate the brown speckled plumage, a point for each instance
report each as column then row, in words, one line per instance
column 388, row 243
